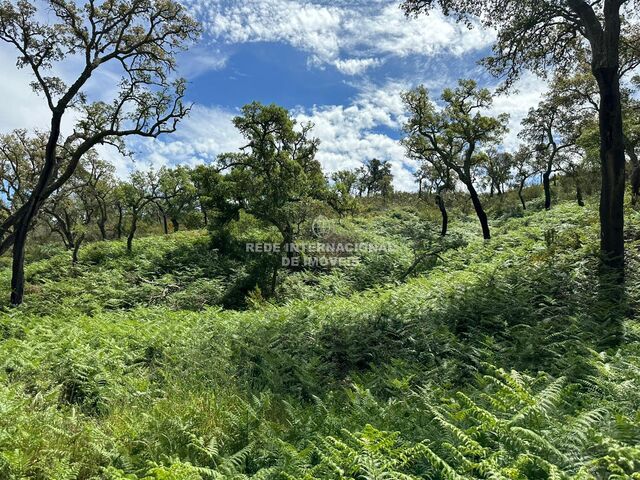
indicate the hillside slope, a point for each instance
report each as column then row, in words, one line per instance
column 493, row 359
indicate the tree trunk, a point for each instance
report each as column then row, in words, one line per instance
column 22, row 227
column 76, row 248
column 175, row 224
column 65, row 233
column 612, row 160
column 70, row 240
column 288, row 240
column 274, row 277
column 165, row 225
column 547, row 188
column 443, row 212
column 520, row 188
column 206, row 218
column 17, row 267
column 103, row 230
column 132, row 231
column 579, row 197
column 286, row 246
column 482, row 216
column 635, row 184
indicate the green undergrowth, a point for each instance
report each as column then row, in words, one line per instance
column 499, row 359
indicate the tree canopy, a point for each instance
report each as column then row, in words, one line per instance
column 140, row 38
column 455, row 134
column 275, row 173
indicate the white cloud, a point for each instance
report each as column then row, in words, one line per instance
column 349, row 134
column 367, row 128
column 527, row 93
column 356, row 66
column 21, row 107
column 388, row 31
column 198, row 60
column 348, row 35
column 353, row 37
column 200, row 138
column 304, row 25
column 209, row 131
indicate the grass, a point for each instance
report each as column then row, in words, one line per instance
column 487, row 362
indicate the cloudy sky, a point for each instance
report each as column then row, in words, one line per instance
column 340, row 64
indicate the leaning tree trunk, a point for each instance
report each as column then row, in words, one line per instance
column 443, row 211
column 101, row 226
column 612, row 160
column 21, row 228
column 520, row 188
column 102, row 222
column 482, row 216
column 76, row 248
column 288, row 241
column 17, row 267
column 132, row 231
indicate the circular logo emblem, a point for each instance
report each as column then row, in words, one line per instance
column 321, row 227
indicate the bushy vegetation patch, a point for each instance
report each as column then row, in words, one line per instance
column 488, row 362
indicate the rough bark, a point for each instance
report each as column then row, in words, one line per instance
column 579, row 196
column 132, row 231
column 21, row 229
column 546, row 183
column 443, row 211
column 101, row 226
column 165, row 224
column 612, row 159
column 520, row 196
column 17, row 268
column 482, row 216
column 76, row 248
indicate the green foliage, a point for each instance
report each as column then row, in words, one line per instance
column 276, row 178
column 482, row 363
column 375, row 178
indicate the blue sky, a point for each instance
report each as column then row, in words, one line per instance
column 339, row 64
